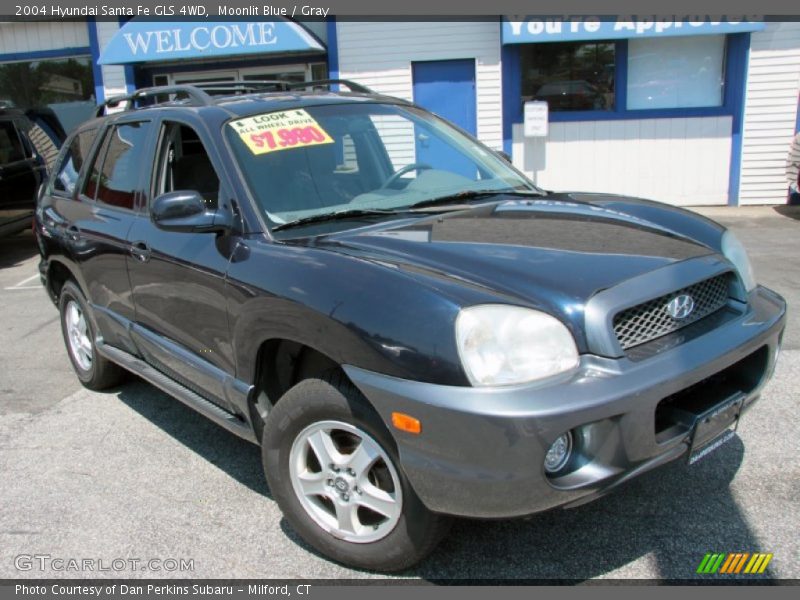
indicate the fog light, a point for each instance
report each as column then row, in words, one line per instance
column 558, row 454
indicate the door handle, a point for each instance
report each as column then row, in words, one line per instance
column 140, row 251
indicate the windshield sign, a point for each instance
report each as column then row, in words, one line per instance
column 281, row 130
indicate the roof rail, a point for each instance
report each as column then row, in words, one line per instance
column 354, row 87
column 196, row 96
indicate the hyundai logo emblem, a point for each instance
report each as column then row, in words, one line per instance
column 680, row 307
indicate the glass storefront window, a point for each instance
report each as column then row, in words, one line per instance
column 293, row 73
column 676, row 72
column 66, row 86
column 569, row 75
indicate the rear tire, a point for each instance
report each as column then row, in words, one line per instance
column 386, row 526
column 79, row 330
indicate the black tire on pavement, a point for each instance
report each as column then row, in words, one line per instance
column 334, row 397
column 101, row 374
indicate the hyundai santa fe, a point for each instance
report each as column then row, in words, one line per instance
column 408, row 327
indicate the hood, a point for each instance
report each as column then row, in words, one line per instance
column 549, row 253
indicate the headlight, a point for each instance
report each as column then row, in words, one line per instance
column 507, row 345
column 734, row 251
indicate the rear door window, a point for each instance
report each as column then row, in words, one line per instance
column 115, row 176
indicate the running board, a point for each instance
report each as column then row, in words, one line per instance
column 208, row 409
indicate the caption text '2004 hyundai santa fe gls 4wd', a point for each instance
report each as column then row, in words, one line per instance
column 409, row 327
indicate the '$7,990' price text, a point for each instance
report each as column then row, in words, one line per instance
column 288, row 137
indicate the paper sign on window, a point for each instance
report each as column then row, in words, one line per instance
column 281, row 130
column 536, row 119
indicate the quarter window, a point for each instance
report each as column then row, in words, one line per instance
column 67, row 176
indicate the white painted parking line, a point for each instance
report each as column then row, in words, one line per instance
column 24, row 281
column 21, row 285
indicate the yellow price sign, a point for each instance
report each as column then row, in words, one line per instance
column 281, row 130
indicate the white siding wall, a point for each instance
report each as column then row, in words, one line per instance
column 681, row 161
column 113, row 75
column 773, row 82
column 32, row 37
column 379, row 55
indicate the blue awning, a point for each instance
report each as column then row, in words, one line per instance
column 143, row 40
column 530, row 29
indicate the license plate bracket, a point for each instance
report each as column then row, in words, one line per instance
column 714, row 427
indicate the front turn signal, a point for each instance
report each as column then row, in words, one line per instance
column 406, row 423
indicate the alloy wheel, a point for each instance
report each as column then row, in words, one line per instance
column 345, row 481
column 80, row 346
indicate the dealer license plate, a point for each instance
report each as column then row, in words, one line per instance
column 715, row 427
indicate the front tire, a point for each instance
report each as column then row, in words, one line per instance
column 332, row 466
column 94, row 371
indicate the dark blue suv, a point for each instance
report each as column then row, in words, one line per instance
column 409, row 328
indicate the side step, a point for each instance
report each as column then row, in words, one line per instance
column 208, row 409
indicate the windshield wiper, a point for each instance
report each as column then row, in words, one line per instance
column 335, row 216
column 365, row 212
column 471, row 195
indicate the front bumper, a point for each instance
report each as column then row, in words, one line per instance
column 481, row 451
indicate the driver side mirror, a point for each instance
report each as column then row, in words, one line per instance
column 186, row 211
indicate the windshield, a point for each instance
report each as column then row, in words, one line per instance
column 304, row 163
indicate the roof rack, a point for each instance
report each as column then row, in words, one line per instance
column 354, row 87
column 200, row 94
column 196, row 96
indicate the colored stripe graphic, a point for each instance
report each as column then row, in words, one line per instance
column 741, row 562
column 711, row 563
column 728, row 561
column 758, row 564
column 703, row 563
column 732, row 563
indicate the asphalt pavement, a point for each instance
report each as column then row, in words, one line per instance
column 133, row 476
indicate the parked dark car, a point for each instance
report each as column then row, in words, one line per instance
column 571, row 95
column 29, row 144
column 22, row 170
column 406, row 324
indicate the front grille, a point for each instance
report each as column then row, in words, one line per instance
column 650, row 320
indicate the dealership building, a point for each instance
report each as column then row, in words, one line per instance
column 690, row 113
